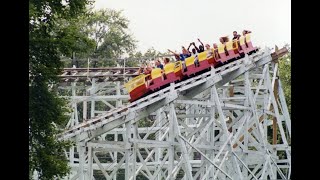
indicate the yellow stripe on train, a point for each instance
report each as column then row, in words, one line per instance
column 221, row 48
column 189, row 61
column 169, row 68
column 155, row 73
column 241, row 39
column 135, row 82
column 248, row 38
column 229, row 45
column 202, row 56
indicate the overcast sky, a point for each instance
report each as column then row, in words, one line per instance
column 164, row 24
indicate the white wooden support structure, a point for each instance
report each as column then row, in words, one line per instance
column 218, row 125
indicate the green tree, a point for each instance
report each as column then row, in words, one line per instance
column 75, row 39
column 102, row 37
column 109, row 29
column 151, row 52
column 46, row 111
column 138, row 58
column 285, row 76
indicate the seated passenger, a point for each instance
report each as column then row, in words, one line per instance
column 194, row 52
column 189, row 47
column 186, row 53
column 244, row 32
column 158, row 64
column 141, row 68
column 207, row 47
column 195, row 47
column 216, row 53
column 236, row 36
column 224, row 40
column 166, row 60
column 147, row 71
column 209, row 51
column 181, row 56
column 195, row 55
column 201, row 48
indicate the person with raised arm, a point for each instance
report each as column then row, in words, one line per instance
column 201, row 47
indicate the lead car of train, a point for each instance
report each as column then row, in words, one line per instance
column 174, row 71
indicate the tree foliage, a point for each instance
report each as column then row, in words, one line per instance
column 285, row 76
column 102, row 37
column 74, row 37
column 52, row 33
column 138, row 58
column 109, row 29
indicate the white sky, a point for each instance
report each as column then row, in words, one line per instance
column 169, row 24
